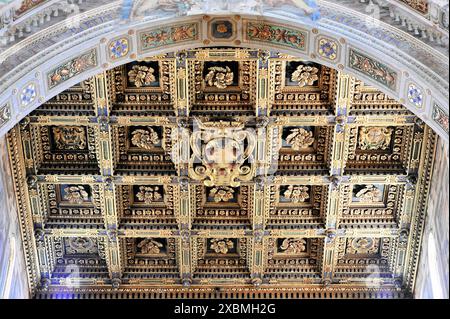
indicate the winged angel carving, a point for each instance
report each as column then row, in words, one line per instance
column 138, row 9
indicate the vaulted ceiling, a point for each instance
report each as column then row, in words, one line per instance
column 221, row 172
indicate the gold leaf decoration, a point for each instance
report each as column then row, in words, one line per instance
column 292, row 246
column 221, row 194
column 305, row 75
column 219, row 77
column 69, row 138
column 300, row 139
column 75, row 194
column 297, row 194
column 221, row 245
column 369, row 194
column 375, row 138
column 149, row 246
column 148, row 194
column 145, row 139
column 141, row 75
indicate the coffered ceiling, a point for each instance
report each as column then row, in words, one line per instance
column 221, row 172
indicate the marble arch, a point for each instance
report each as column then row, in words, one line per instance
column 386, row 58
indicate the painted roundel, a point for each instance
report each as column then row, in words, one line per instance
column 118, row 48
column 415, row 95
column 28, row 94
column 328, row 49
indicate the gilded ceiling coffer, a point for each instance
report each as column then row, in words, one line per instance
column 222, row 153
column 222, row 168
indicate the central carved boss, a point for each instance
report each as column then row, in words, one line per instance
column 222, row 154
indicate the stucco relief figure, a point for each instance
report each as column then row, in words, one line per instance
column 300, row 139
column 142, row 8
column 369, row 194
column 69, row 138
column 81, row 245
column 139, row 9
column 293, row 246
column 375, row 138
column 221, row 194
column 149, row 247
column 145, row 139
column 297, row 194
column 363, row 245
column 75, row 194
column 219, row 77
column 308, row 6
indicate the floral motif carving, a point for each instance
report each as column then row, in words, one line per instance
column 220, row 77
column 27, row 5
column 149, row 194
column 149, row 246
column 221, row 245
column 418, row 5
column 75, row 194
column 305, row 75
column 375, row 138
column 369, row 194
column 277, row 35
column 297, row 194
column 168, row 35
column 373, row 69
column 440, row 117
column 300, row 138
column 292, row 246
column 145, row 139
column 221, row 194
column 69, row 137
column 72, row 68
column 141, row 75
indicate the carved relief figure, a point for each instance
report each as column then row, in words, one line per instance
column 297, row 194
column 221, row 245
column 375, row 138
column 369, row 194
column 300, row 139
column 145, row 139
column 363, row 245
column 305, row 75
column 143, row 7
column 141, row 75
column 75, row 194
column 221, row 194
column 149, row 246
column 292, row 246
column 69, row 138
column 220, row 77
column 80, row 245
column 149, row 194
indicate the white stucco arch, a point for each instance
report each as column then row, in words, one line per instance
column 430, row 78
